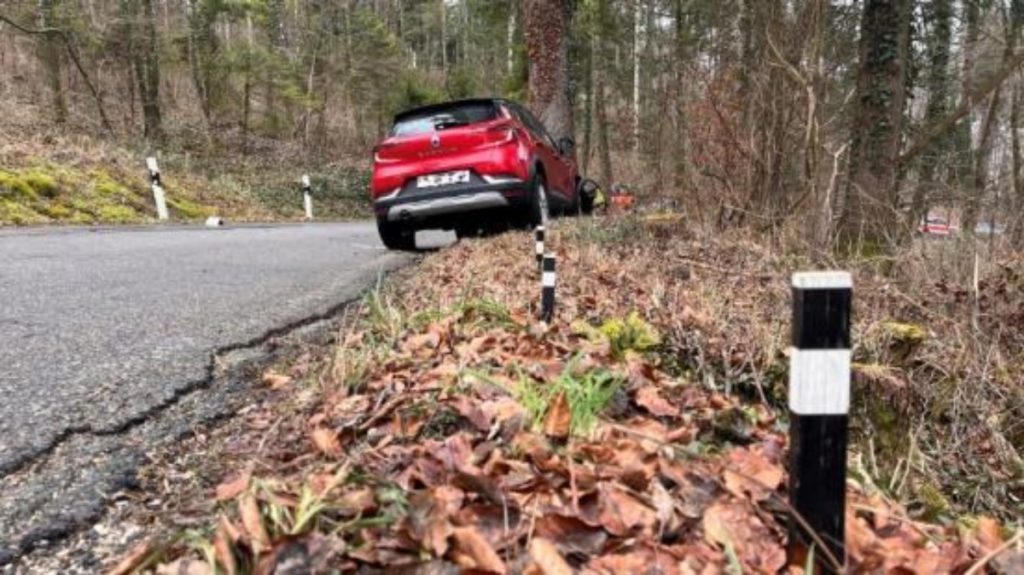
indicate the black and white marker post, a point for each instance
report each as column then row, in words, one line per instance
column 158, row 191
column 307, row 197
column 547, row 289
column 819, row 400
column 538, row 236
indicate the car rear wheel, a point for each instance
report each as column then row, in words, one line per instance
column 539, row 210
column 396, row 236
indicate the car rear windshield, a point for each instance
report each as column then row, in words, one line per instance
column 443, row 117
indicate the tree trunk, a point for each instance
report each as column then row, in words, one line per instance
column 546, row 25
column 141, row 30
column 510, row 40
column 637, row 31
column 870, row 211
column 49, row 56
column 680, row 161
column 1017, row 216
column 247, row 84
column 444, row 38
column 939, row 88
column 982, row 158
column 588, row 105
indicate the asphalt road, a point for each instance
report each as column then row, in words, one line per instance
column 101, row 330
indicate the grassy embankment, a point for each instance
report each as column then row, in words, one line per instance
column 645, row 427
column 81, row 180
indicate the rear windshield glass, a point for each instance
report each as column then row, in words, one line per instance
column 443, row 118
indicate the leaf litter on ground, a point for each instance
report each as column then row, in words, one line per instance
column 476, row 439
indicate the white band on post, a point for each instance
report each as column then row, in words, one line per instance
column 548, row 279
column 819, row 381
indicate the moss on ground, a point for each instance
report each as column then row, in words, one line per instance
column 41, row 192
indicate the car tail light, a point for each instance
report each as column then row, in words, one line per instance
column 377, row 153
column 500, row 135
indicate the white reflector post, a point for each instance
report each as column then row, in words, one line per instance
column 547, row 290
column 819, row 401
column 538, row 246
column 307, row 197
column 159, row 198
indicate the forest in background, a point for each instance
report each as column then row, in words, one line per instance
column 824, row 120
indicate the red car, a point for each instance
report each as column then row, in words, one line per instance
column 933, row 226
column 470, row 166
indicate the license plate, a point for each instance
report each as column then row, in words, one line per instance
column 443, row 179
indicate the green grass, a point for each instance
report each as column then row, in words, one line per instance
column 14, row 187
column 587, row 393
column 43, row 184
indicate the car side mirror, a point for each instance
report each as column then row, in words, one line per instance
column 566, row 146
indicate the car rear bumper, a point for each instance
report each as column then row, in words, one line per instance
column 421, row 207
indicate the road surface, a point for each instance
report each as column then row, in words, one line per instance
column 103, row 332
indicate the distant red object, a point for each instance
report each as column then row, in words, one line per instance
column 936, row 227
column 470, row 165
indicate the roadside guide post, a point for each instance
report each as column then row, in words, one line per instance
column 307, row 197
column 547, row 290
column 819, row 401
column 538, row 236
column 158, row 191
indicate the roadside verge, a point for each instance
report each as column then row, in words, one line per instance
column 640, row 429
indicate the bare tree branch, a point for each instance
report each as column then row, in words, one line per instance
column 964, row 108
column 74, row 58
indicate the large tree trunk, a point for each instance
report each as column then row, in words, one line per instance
column 142, row 47
column 982, row 158
column 49, row 56
column 870, row 211
column 546, row 25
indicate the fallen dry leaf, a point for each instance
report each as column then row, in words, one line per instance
column 749, row 472
column 326, row 441
column 222, row 549
column 185, row 567
column 275, row 380
column 234, row 487
column 473, row 546
column 558, row 420
column 546, row 557
column 252, row 521
column 650, row 399
column 133, row 559
column 620, row 512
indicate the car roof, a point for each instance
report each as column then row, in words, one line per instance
column 444, row 105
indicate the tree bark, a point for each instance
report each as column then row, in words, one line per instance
column 680, row 160
column 870, row 210
column 637, row 31
column 1016, row 227
column 140, row 31
column 49, row 56
column 546, row 25
column 939, row 88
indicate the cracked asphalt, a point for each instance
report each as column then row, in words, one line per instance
column 107, row 338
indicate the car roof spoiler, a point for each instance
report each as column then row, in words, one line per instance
column 441, row 106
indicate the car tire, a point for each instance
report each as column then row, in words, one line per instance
column 396, row 236
column 539, row 210
column 586, row 203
